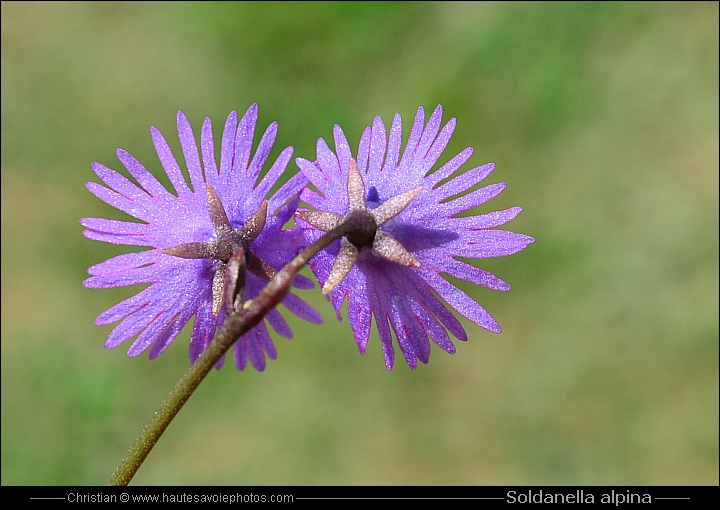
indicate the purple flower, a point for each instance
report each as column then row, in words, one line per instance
column 391, row 266
column 199, row 238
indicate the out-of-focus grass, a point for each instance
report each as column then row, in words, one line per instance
column 601, row 117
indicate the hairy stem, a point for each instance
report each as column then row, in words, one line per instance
column 236, row 324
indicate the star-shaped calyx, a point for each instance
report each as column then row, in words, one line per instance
column 364, row 230
column 231, row 250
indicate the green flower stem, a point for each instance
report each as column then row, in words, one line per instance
column 235, row 325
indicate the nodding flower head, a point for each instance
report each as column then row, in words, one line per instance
column 406, row 233
column 200, row 241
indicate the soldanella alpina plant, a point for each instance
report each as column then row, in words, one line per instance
column 378, row 229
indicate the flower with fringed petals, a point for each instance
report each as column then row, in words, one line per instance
column 407, row 234
column 201, row 239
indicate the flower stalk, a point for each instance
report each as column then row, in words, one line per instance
column 237, row 323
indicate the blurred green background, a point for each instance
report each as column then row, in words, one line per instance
column 601, row 117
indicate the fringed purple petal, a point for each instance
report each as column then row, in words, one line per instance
column 127, row 307
column 473, row 199
column 114, row 199
column 171, row 332
column 386, row 339
column 440, row 311
column 268, row 345
column 121, row 279
column 363, row 151
column 327, row 161
column 190, row 151
column 208, row 153
column 127, row 228
column 490, row 244
column 125, row 262
column 416, row 333
column 278, row 324
column 449, row 168
column 474, row 275
column 287, row 212
column 461, row 302
column 227, row 150
column 143, row 177
column 433, row 328
column 393, row 150
column 436, row 149
column 263, row 151
column 252, row 346
column 301, row 282
column 343, row 149
column 243, row 142
column 359, row 312
column 128, row 328
column 400, row 326
column 274, row 173
column 203, row 329
column 169, row 163
column 413, row 140
column 118, row 183
column 484, row 221
column 312, row 172
column 127, row 239
column 301, row 309
column 151, row 333
column 428, row 136
column 378, row 143
column 254, row 342
column 465, row 181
